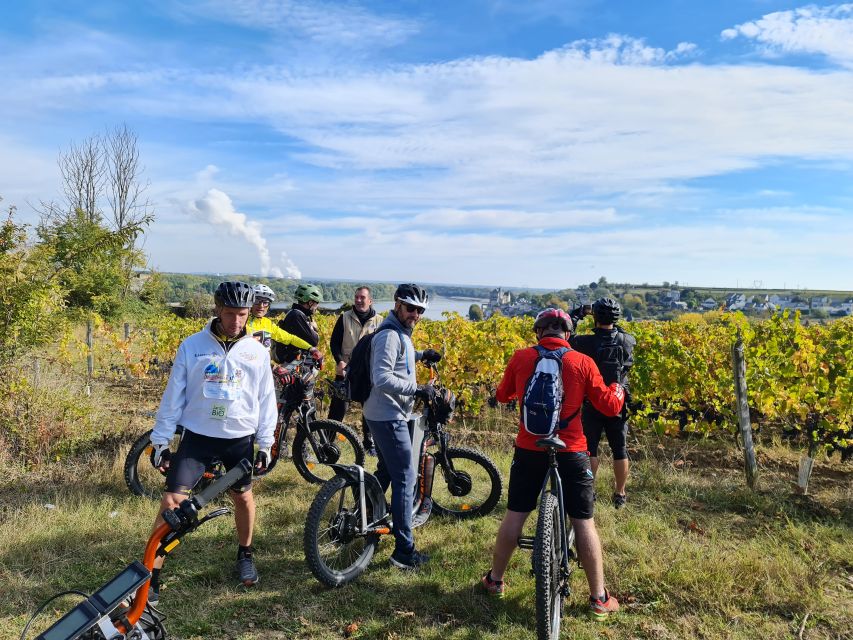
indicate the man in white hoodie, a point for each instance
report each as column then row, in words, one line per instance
column 221, row 391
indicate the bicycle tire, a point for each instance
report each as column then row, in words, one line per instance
column 278, row 443
column 343, row 447
column 145, row 481
column 547, row 554
column 329, row 530
column 476, row 502
column 141, row 478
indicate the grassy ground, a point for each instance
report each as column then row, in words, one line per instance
column 694, row 554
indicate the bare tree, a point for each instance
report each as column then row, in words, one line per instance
column 83, row 173
column 125, row 190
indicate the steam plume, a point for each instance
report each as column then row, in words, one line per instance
column 216, row 208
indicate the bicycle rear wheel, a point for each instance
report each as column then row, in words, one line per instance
column 336, row 444
column 147, row 482
column 141, row 478
column 334, row 551
column 547, row 557
column 470, row 488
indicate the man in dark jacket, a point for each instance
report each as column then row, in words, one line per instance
column 299, row 321
column 613, row 351
column 352, row 325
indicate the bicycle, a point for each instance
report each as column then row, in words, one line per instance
column 119, row 609
column 553, row 548
column 349, row 513
column 316, row 444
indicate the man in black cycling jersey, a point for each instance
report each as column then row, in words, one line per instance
column 221, row 391
column 613, row 351
column 299, row 321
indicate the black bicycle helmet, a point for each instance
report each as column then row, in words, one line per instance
column 234, row 294
column 412, row 294
column 606, row 311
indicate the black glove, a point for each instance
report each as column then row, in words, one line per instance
column 425, row 392
column 581, row 312
column 262, row 459
column 160, row 456
column 430, row 356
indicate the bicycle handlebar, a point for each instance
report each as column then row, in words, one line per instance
column 221, row 485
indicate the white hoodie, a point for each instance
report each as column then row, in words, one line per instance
column 218, row 394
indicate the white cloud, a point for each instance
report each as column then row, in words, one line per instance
column 329, row 23
column 811, row 29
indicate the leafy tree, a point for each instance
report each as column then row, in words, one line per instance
column 475, row 312
column 30, row 294
column 89, row 259
column 199, row 305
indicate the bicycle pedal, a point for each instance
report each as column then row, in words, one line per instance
column 525, row 542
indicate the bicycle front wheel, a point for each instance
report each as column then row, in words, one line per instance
column 468, row 487
column 141, row 478
column 547, row 557
column 336, row 554
column 335, row 443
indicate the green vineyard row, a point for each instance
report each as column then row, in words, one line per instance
column 797, row 376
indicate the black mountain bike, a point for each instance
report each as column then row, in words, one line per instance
column 553, row 548
column 348, row 515
column 316, row 444
column 119, row 609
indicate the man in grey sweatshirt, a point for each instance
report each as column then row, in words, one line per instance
column 389, row 408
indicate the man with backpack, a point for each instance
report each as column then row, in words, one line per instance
column 551, row 381
column 613, row 351
column 388, row 409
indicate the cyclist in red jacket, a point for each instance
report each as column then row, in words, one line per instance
column 581, row 380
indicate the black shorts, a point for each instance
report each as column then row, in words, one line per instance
column 528, row 472
column 197, row 452
column 616, row 430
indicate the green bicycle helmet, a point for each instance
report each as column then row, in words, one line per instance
column 308, row 293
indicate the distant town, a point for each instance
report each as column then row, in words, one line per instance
column 640, row 302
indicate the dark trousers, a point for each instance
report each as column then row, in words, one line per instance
column 394, row 442
column 338, row 409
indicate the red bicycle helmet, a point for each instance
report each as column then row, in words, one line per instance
column 550, row 316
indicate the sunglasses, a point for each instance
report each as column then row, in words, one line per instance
column 262, row 303
column 412, row 308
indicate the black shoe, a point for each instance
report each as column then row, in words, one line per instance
column 246, row 570
column 153, row 596
column 619, row 500
column 411, row 562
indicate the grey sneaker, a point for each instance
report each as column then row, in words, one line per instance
column 246, row 570
column 619, row 500
column 153, row 596
column 411, row 562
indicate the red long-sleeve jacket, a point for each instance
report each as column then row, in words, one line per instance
column 581, row 379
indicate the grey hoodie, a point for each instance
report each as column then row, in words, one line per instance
column 392, row 372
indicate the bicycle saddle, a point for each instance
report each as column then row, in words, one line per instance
column 552, row 441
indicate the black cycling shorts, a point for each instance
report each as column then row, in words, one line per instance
column 197, row 452
column 616, row 430
column 528, row 472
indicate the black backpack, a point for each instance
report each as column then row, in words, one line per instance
column 358, row 368
column 610, row 358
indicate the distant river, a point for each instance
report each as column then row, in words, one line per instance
column 437, row 305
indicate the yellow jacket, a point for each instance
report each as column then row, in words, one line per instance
column 276, row 333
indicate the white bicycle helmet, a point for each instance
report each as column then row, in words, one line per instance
column 263, row 291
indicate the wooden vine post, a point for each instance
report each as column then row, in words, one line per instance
column 744, row 425
column 90, row 357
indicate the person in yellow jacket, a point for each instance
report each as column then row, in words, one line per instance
column 258, row 322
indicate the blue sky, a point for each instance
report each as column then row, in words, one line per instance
column 536, row 143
